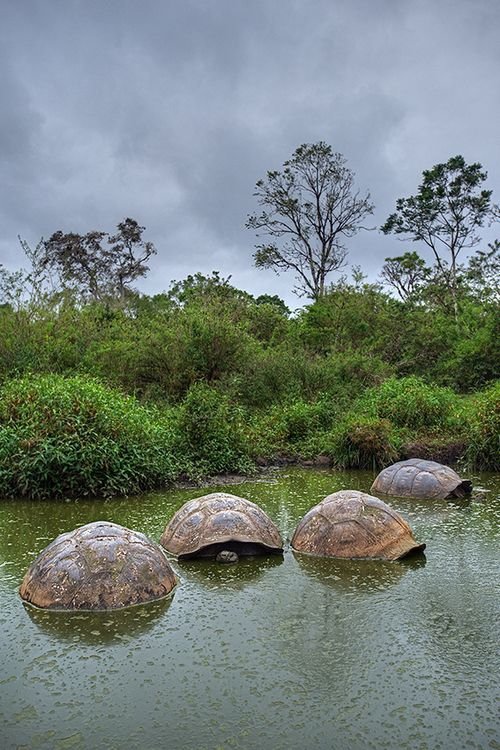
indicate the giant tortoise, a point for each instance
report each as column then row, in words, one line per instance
column 421, row 479
column 223, row 526
column 96, row 567
column 356, row 525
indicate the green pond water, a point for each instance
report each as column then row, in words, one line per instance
column 272, row 653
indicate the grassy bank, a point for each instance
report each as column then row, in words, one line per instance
column 66, row 436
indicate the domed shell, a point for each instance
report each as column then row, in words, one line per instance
column 220, row 521
column 99, row 566
column 355, row 525
column 421, row 479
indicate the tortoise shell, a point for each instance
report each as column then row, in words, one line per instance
column 419, row 478
column 205, row 526
column 97, row 567
column 356, row 525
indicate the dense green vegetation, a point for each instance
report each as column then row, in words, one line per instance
column 104, row 391
column 71, row 436
column 109, row 399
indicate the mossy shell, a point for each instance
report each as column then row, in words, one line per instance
column 98, row 566
column 355, row 525
column 421, row 479
column 206, row 525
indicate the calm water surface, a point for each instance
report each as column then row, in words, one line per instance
column 274, row 653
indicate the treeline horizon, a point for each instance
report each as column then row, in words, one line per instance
column 307, row 212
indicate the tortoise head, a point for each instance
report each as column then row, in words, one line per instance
column 227, row 556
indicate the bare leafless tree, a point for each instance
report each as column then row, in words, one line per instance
column 309, row 209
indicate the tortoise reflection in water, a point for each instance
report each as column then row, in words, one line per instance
column 98, row 566
column 355, row 525
column 223, row 526
column 421, row 479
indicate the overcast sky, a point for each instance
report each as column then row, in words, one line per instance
column 169, row 111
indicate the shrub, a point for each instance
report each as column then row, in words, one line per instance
column 64, row 437
column 483, row 451
column 269, row 376
column 211, row 433
column 295, row 428
column 411, row 402
column 363, row 443
column 358, row 370
column 301, row 419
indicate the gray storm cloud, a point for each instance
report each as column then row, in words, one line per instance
column 170, row 112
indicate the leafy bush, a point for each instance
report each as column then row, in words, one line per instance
column 411, row 402
column 475, row 360
column 62, row 437
column 211, row 433
column 483, row 451
column 363, row 443
column 301, row 419
column 357, row 371
column 294, row 429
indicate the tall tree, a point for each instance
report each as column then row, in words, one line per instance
column 128, row 254
column 309, row 209
column 445, row 215
column 97, row 265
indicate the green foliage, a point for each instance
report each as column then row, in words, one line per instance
column 270, row 375
column 350, row 373
column 483, row 451
column 294, row 428
column 199, row 289
column 377, row 426
column 413, row 403
column 474, row 359
column 349, row 318
column 448, row 207
column 211, row 433
column 267, row 323
column 363, row 442
column 235, row 377
column 445, row 215
column 406, row 274
column 274, row 300
column 483, row 273
column 64, row 437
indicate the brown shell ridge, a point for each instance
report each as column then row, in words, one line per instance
column 359, row 523
column 394, row 475
column 396, row 517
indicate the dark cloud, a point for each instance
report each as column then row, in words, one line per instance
column 170, row 112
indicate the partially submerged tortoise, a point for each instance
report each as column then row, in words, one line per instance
column 355, row 525
column 223, row 526
column 421, row 479
column 98, row 566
